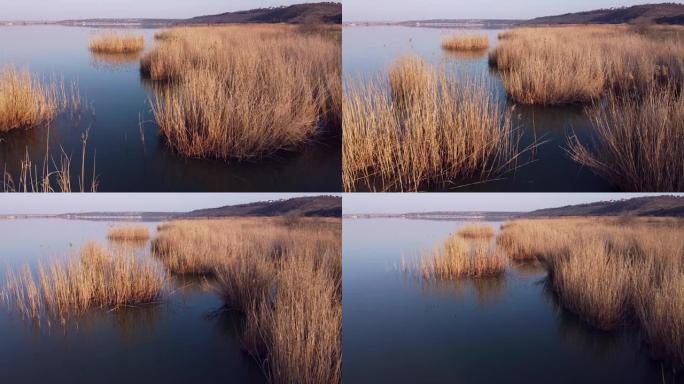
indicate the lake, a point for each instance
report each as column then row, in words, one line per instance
column 187, row 338
column 123, row 138
column 504, row 330
column 368, row 52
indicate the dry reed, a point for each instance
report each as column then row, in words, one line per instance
column 94, row 278
column 476, row 231
column 426, row 129
column 274, row 94
column 457, row 259
column 462, row 42
column 113, row 42
column 535, row 63
column 26, row 101
column 609, row 270
column 128, row 233
column 638, row 141
column 284, row 277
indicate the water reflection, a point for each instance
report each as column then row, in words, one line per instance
column 114, row 61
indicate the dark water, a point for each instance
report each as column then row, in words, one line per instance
column 187, row 339
column 507, row 330
column 368, row 51
column 125, row 162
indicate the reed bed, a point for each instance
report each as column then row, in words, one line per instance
column 462, row 42
column 283, row 276
column 243, row 92
column 535, row 62
column 424, row 129
column 128, row 233
column 476, row 231
column 115, row 42
column 638, row 142
column 612, row 270
column 457, row 259
column 26, row 101
column 95, row 277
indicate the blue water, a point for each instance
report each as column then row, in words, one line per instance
column 186, row 338
column 507, row 330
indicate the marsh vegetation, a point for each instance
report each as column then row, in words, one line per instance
column 464, row 42
column 117, row 43
column 613, row 125
column 612, row 272
column 424, row 128
column 631, row 79
column 280, row 276
column 294, row 125
column 280, row 90
column 595, row 296
column 284, row 276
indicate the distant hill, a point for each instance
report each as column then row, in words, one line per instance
column 640, row 206
column 318, row 206
column 308, row 13
column 664, row 13
column 315, row 206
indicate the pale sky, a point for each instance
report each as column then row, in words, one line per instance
column 86, row 9
column 402, row 10
column 493, row 202
column 37, row 203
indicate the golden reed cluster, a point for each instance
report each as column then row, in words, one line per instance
column 610, row 270
column 241, row 92
column 465, row 254
column 26, row 101
column 575, row 64
column 423, row 128
column 283, row 275
column 95, row 277
column 117, row 43
column 465, row 42
column 631, row 77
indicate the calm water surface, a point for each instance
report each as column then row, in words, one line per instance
column 187, row 339
column 369, row 51
column 507, row 330
column 128, row 158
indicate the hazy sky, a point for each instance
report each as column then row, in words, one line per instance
column 82, row 9
column 118, row 202
column 425, row 202
column 399, row 10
